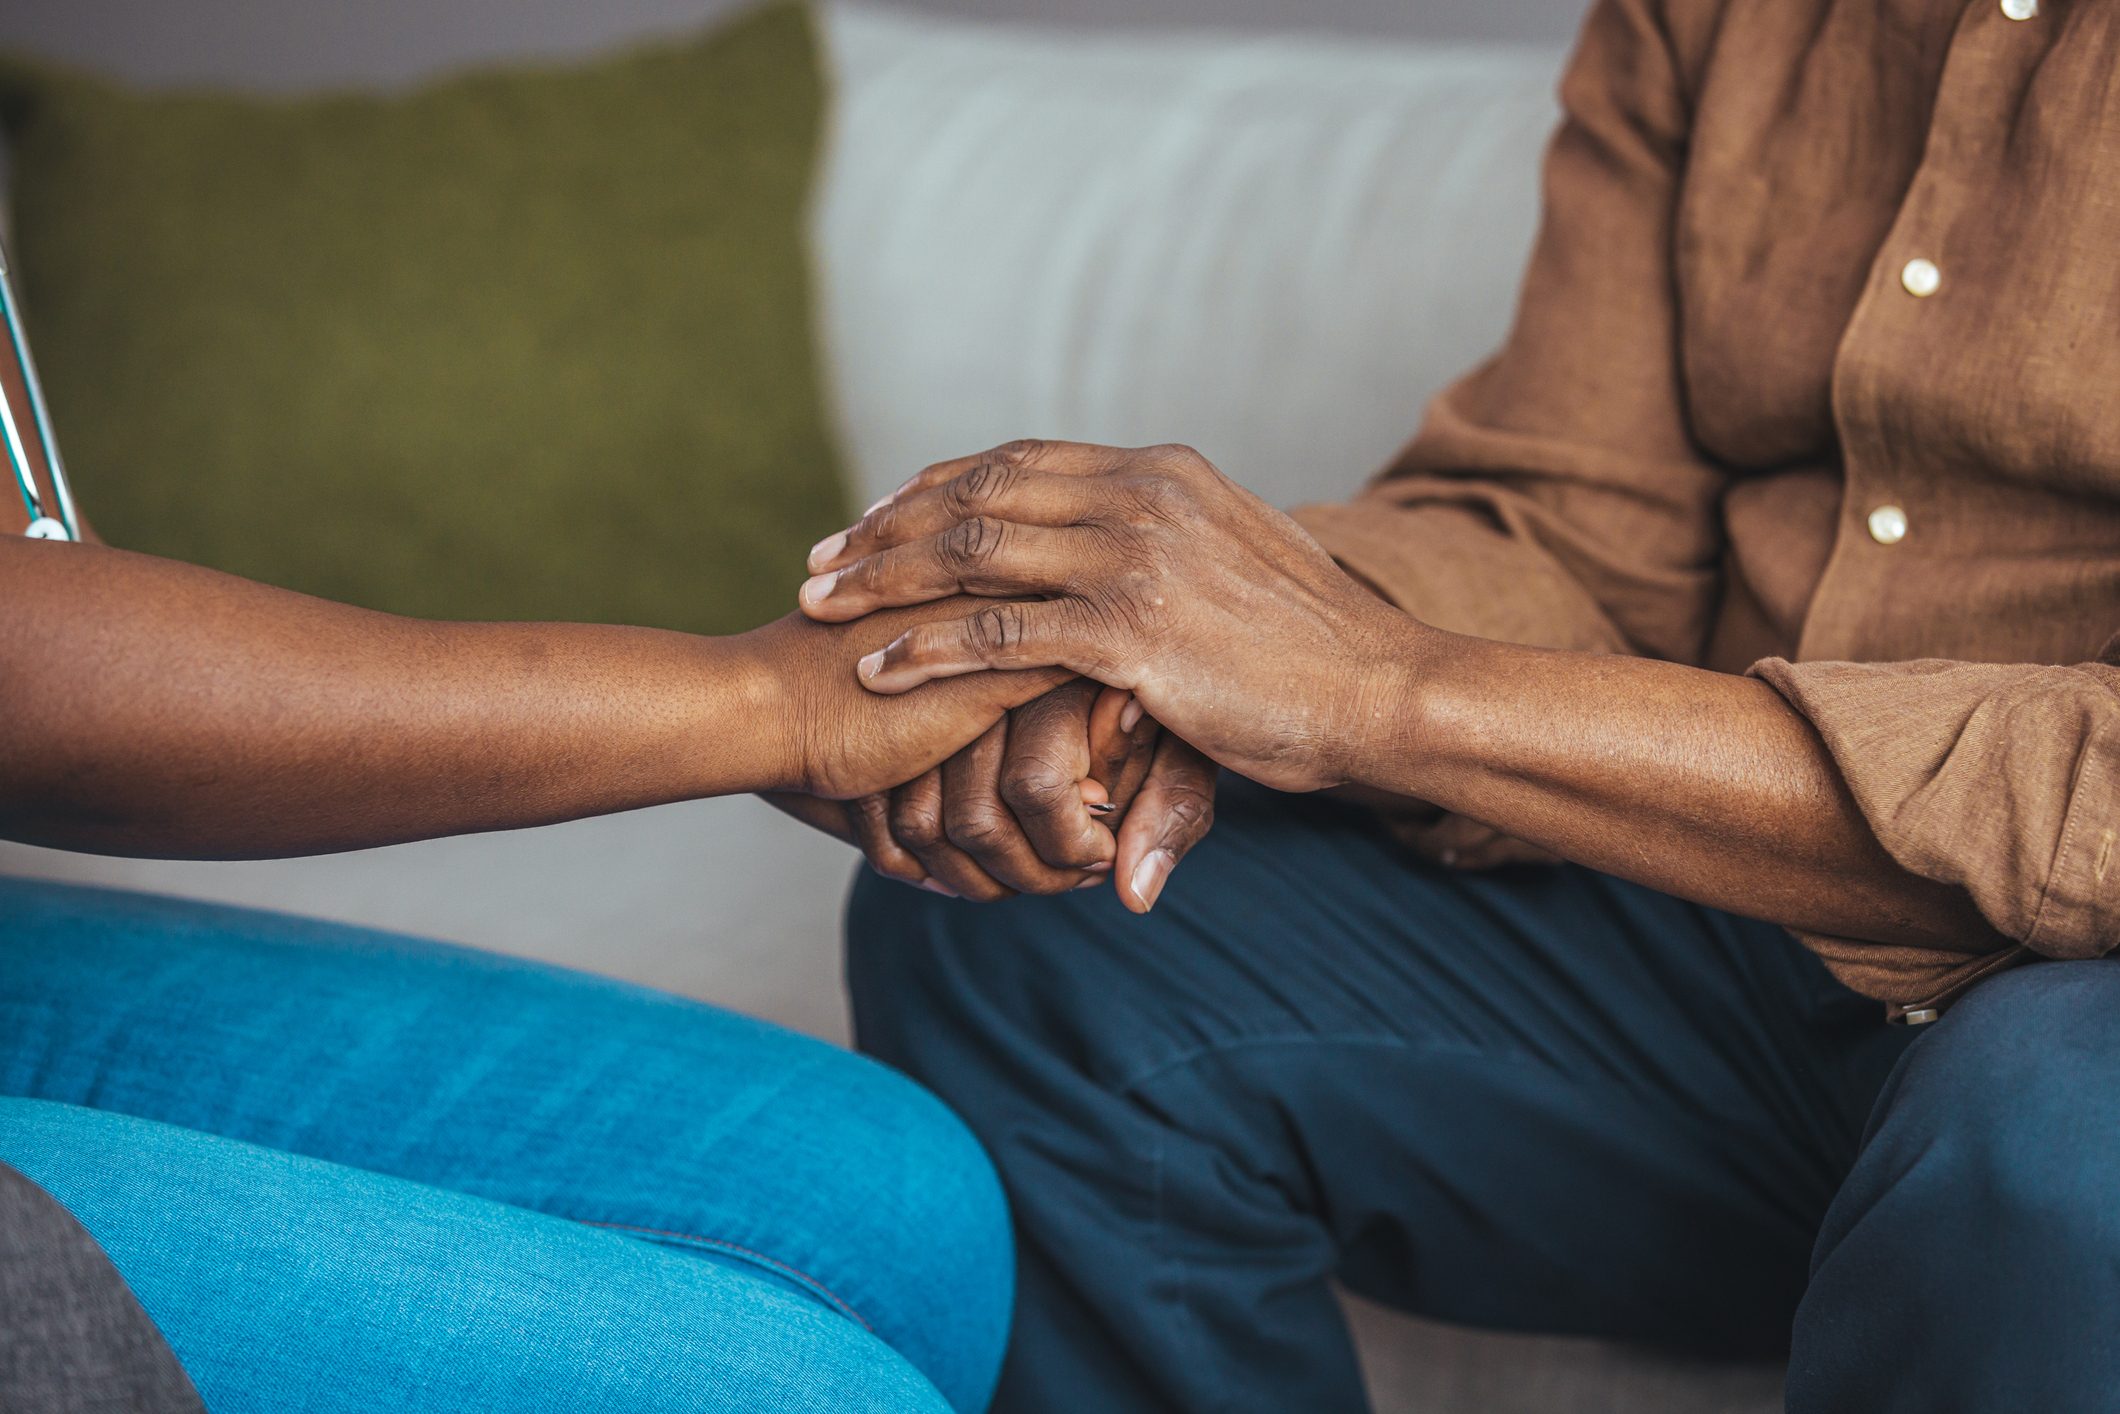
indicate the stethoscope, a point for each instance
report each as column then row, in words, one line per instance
column 42, row 524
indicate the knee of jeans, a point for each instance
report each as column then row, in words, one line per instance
column 958, row 1222
column 926, row 1235
column 2015, row 1098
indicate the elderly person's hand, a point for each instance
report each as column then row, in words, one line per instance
column 1075, row 784
column 1157, row 574
column 1049, row 798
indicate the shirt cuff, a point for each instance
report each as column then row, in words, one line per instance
column 1995, row 778
column 1450, row 567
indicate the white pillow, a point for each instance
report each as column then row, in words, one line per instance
column 1274, row 249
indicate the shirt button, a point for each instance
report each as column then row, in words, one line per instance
column 1921, row 277
column 1888, row 525
column 2020, row 9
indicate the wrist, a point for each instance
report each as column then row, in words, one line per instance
column 744, row 733
column 1398, row 664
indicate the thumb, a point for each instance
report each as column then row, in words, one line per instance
column 1172, row 813
column 1122, row 744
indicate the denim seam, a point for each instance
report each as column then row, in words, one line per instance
column 796, row 1274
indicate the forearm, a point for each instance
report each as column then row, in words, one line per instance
column 157, row 708
column 1700, row 784
column 1238, row 632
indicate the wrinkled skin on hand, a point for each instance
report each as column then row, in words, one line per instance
column 1142, row 568
column 1029, row 807
column 1056, row 795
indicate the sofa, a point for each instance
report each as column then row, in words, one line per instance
column 1272, row 247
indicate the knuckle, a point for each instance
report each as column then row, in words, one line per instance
column 871, row 820
column 996, row 630
column 1189, row 810
column 978, row 829
column 1179, row 460
column 1035, row 784
column 1018, row 451
column 872, row 828
column 964, row 494
column 980, row 486
column 917, row 824
column 971, row 544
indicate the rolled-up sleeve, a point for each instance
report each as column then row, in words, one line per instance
column 1554, row 496
column 1999, row 780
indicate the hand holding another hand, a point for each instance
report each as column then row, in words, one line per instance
column 837, row 742
column 984, row 788
column 1064, row 790
column 1152, row 572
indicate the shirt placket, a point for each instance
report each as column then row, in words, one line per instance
column 1905, row 309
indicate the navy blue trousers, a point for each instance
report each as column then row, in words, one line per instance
column 1535, row 1099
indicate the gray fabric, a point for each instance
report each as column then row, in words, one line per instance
column 73, row 1340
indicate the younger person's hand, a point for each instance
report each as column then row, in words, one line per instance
column 837, row 741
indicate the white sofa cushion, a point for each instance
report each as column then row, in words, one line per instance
column 1274, row 249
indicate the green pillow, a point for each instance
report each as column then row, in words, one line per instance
column 521, row 344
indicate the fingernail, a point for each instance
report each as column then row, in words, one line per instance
column 822, row 553
column 1102, row 866
column 871, row 665
column 1102, row 807
column 1130, row 714
column 1449, row 858
column 1149, row 875
column 936, row 886
column 815, row 588
column 1089, row 883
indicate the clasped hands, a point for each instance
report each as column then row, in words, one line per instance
column 1204, row 626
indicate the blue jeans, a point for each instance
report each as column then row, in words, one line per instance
column 1536, row 1099
column 346, row 1171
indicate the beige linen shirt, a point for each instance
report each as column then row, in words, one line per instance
column 1816, row 374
